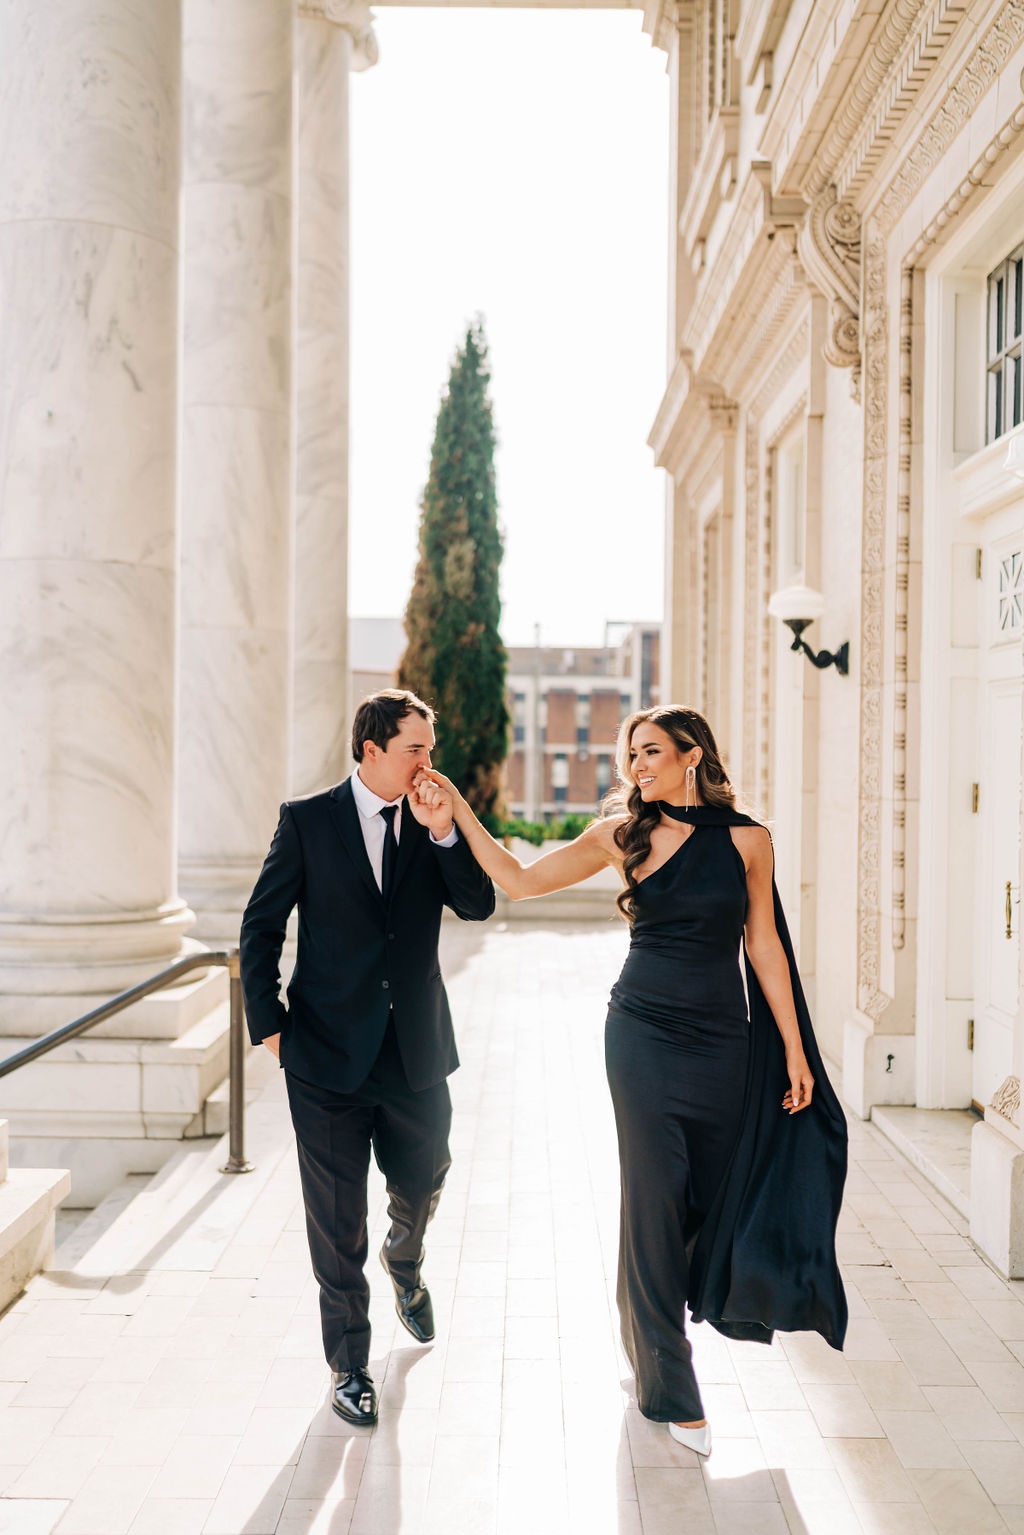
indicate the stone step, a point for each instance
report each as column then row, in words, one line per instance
column 28, row 1198
column 937, row 1142
column 107, row 1108
column 185, row 1217
column 89, row 1227
column 213, row 1118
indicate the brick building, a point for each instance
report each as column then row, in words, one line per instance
column 566, row 707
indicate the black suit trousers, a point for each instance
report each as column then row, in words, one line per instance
column 335, row 1133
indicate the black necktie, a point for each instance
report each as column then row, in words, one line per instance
column 387, row 873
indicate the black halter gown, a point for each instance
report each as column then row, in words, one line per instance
column 729, row 1205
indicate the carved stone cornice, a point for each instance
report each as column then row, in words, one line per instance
column 691, row 402
column 984, row 63
column 734, row 270
column 665, row 428
column 355, row 17
column 724, row 414
column 900, row 54
column 787, row 360
column 828, row 245
column 662, row 17
column 782, row 288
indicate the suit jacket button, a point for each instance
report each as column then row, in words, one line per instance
column 385, row 984
column 391, row 937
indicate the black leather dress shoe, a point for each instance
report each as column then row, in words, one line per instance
column 415, row 1311
column 353, row 1396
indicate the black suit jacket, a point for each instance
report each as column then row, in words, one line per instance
column 358, row 958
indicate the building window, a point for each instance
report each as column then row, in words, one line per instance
column 518, row 718
column 560, row 778
column 604, row 775
column 582, row 719
column 647, row 643
column 1005, row 316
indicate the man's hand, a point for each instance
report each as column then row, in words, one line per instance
column 273, row 1044
column 432, row 802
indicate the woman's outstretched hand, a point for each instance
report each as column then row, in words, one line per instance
column 801, row 1083
column 433, row 800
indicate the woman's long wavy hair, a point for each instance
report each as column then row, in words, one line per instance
column 687, row 729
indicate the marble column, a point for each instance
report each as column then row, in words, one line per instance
column 332, row 37
column 89, row 175
column 236, row 447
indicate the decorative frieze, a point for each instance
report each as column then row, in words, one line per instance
column 1003, row 37
column 905, row 48
column 871, row 999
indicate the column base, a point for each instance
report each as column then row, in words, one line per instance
column 218, row 893
column 877, row 1068
column 70, row 955
column 163, row 1015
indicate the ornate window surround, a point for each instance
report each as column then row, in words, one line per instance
column 1004, row 34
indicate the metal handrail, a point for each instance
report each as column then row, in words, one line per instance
column 226, row 958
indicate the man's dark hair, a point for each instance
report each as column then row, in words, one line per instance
column 380, row 714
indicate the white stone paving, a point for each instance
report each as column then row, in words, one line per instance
column 173, row 1382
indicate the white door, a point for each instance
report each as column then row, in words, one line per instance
column 998, row 910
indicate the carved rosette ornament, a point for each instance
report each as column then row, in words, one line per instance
column 1006, row 1100
column 356, row 18
column 829, row 248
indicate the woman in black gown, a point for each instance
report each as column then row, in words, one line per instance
column 728, row 1205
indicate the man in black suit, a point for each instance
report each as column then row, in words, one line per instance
column 366, row 1041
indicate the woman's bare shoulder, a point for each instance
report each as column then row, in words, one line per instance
column 603, row 831
column 754, row 844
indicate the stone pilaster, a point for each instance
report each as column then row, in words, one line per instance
column 236, row 447
column 90, row 124
column 332, row 38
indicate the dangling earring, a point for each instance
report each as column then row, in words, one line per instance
column 691, row 786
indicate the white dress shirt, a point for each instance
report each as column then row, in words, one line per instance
column 373, row 825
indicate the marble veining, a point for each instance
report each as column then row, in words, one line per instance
column 237, row 471
column 320, row 703
column 238, row 97
column 237, row 297
column 89, row 181
column 233, row 750
column 87, row 339
column 90, row 113
column 86, row 755
column 234, row 518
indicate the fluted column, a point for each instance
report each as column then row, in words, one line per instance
column 332, row 37
column 236, row 447
column 89, row 175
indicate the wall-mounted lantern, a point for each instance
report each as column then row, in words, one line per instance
column 797, row 607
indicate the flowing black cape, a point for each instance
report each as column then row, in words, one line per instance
column 765, row 1256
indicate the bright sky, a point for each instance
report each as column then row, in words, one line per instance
column 515, row 164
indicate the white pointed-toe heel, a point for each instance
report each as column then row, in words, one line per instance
column 698, row 1439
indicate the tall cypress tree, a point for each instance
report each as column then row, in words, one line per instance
column 454, row 657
